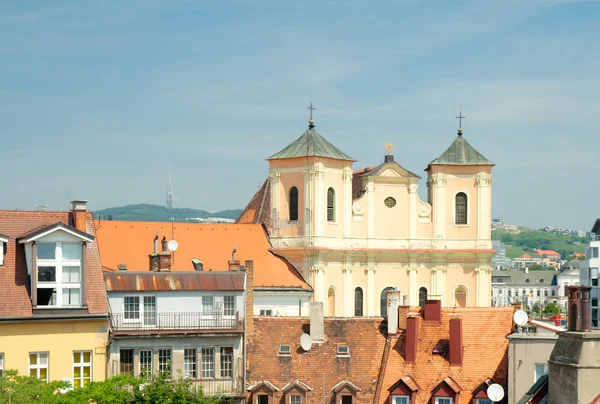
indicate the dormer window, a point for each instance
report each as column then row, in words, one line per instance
column 58, row 267
column 3, row 242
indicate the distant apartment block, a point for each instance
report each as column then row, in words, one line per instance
column 589, row 270
column 500, row 260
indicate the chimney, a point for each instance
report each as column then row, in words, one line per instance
column 433, row 310
column 389, row 158
column 234, row 265
column 579, row 311
column 393, row 301
column 412, row 339
column 456, row 342
column 249, row 308
column 317, row 321
column 79, row 209
column 160, row 261
column 198, row 265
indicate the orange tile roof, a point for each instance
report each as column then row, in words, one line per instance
column 13, row 275
column 525, row 256
column 484, row 354
column 548, row 253
column 129, row 243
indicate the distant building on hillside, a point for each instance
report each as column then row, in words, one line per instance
column 589, row 270
column 500, row 260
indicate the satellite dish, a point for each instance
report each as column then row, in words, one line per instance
column 306, row 342
column 495, row 392
column 520, row 317
column 173, row 245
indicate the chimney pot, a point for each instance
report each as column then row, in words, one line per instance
column 156, row 243
column 164, row 244
column 234, row 265
column 389, row 158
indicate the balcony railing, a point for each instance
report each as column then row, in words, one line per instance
column 226, row 387
column 175, row 322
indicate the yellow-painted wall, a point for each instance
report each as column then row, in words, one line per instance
column 59, row 339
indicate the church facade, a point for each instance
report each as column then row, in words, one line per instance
column 356, row 234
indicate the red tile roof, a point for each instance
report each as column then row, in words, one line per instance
column 525, row 256
column 320, row 367
column 258, row 210
column 129, row 243
column 548, row 253
column 13, row 275
column 485, row 353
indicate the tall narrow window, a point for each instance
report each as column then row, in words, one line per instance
column 227, row 362
column 38, row 365
column 190, row 364
column 126, row 362
column 331, row 205
column 229, row 305
column 132, row 307
column 149, row 310
column 422, row 296
column 208, row 362
column 294, row 203
column 358, row 302
column 82, row 368
column 208, row 304
column 164, row 362
column 1, row 364
column 145, row 363
column 331, row 302
column 461, row 208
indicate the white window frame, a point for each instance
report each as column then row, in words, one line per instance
column 212, row 310
column 214, row 362
column 168, row 366
column 145, row 373
column 188, row 372
column 1, row 364
column 339, row 352
column 81, row 365
column 231, row 363
column 442, row 400
column 38, row 366
column 58, row 262
column 398, row 397
column 295, row 395
column 266, row 312
column 225, row 297
column 141, row 309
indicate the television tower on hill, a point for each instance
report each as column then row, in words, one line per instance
column 169, row 192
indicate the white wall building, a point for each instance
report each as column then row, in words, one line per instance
column 189, row 325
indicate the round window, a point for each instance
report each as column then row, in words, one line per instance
column 390, row 202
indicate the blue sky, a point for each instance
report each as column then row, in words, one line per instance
column 98, row 97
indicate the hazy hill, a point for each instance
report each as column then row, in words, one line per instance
column 528, row 240
column 157, row 213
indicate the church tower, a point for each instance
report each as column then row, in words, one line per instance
column 310, row 199
column 459, row 191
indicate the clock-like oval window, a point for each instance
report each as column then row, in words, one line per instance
column 390, row 202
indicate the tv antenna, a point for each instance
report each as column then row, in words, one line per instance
column 495, row 392
column 306, row 342
column 41, row 207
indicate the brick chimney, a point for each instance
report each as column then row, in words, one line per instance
column 456, row 342
column 79, row 211
column 433, row 310
column 412, row 339
column 160, row 261
column 579, row 310
column 249, row 307
column 234, row 265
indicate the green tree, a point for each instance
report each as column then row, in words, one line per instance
column 536, row 267
column 551, row 308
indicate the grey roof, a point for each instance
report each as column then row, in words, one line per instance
column 461, row 153
column 570, row 267
column 391, row 164
column 3, row 237
column 311, row 144
column 596, row 227
column 520, row 278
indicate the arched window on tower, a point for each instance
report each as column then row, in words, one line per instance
column 294, row 203
column 461, row 208
column 331, row 302
column 422, row 296
column 383, row 301
column 331, row 205
column 358, row 302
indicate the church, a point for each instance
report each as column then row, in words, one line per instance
column 356, row 234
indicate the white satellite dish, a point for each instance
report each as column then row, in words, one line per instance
column 520, row 317
column 495, row 392
column 306, row 342
column 173, row 245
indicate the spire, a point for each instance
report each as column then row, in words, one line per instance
column 311, row 123
column 460, row 118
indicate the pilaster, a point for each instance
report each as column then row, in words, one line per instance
column 347, row 206
column 275, row 179
column 371, row 201
column 413, row 290
column 348, row 292
column 318, row 278
column 319, row 201
column 438, row 182
column 484, row 199
column 371, row 298
column 412, row 190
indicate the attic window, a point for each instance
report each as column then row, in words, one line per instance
column 541, row 281
column 526, row 280
column 285, row 350
column 390, row 202
column 343, row 350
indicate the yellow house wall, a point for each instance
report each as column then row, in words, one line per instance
column 391, row 222
column 59, row 339
column 334, row 180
